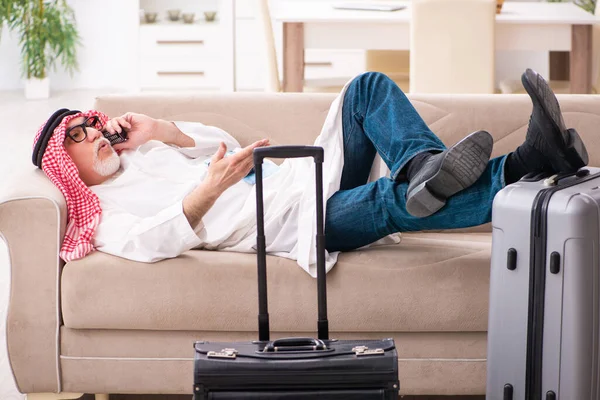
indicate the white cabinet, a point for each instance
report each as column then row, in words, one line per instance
column 181, row 73
column 175, row 55
column 201, row 41
column 179, row 56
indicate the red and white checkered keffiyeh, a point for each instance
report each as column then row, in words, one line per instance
column 83, row 206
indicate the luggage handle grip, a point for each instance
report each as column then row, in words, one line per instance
column 554, row 179
column 288, row 152
column 295, row 344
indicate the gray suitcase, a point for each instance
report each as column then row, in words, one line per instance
column 544, row 284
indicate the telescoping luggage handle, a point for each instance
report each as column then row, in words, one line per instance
column 263, row 313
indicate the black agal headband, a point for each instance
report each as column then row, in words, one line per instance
column 52, row 123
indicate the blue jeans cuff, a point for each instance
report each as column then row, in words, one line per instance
column 502, row 164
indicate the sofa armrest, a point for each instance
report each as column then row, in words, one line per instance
column 32, row 223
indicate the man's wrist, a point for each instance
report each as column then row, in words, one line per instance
column 183, row 140
column 198, row 202
column 209, row 192
column 169, row 133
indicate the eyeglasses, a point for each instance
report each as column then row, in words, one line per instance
column 78, row 133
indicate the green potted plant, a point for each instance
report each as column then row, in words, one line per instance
column 47, row 35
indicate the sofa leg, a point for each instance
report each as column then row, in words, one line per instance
column 53, row 396
column 101, row 397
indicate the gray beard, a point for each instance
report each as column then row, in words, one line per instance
column 109, row 165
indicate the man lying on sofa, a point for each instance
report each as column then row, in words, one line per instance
column 173, row 186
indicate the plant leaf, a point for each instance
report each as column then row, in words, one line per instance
column 47, row 33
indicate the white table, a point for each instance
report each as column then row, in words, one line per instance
column 536, row 26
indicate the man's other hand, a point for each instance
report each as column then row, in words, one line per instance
column 224, row 172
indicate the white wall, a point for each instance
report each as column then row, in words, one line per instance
column 9, row 61
column 107, row 56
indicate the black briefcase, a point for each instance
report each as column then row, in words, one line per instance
column 295, row 368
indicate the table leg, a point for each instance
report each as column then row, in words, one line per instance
column 581, row 59
column 559, row 66
column 293, row 57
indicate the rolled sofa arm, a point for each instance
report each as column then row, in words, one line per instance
column 33, row 216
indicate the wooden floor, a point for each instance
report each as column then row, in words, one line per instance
column 182, row 397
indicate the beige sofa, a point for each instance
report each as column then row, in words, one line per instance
column 108, row 325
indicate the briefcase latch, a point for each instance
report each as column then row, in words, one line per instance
column 225, row 353
column 364, row 351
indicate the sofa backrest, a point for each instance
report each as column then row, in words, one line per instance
column 292, row 118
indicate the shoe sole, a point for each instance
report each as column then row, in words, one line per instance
column 462, row 165
column 573, row 149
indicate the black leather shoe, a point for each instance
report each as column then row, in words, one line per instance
column 547, row 132
column 445, row 174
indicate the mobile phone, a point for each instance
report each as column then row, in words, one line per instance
column 115, row 138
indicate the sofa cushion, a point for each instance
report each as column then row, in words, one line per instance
column 428, row 282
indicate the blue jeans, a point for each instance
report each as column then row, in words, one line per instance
column 377, row 117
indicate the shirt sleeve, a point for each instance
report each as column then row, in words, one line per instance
column 206, row 138
column 149, row 239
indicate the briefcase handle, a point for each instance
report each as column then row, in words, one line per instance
column 289, row 152
column 295, row 344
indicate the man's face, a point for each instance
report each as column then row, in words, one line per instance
column 93, row 155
